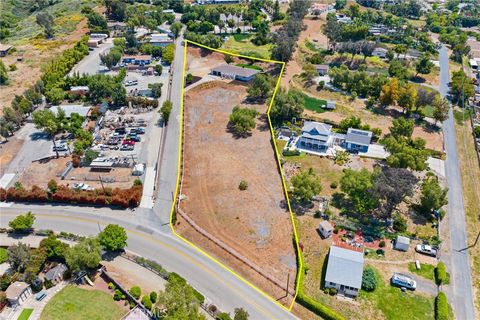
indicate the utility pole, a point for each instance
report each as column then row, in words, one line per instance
column 101, row 182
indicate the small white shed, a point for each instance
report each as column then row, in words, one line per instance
column 326, row 229
column 402, row 243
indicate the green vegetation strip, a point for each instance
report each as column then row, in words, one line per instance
column 25, row 314
column 249, row 66
column 3, row 255
column 398, row 305
column 76, row 304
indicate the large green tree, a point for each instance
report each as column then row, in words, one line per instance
column 306, row 185
column 178, row 301
column 18, row 256
column 165, row 110
column 242, row 120
column 83, row 255
column 261, row 87
column 287, row 105
column 45, row 20
column 22, row 222
column 433, row 196
column 50, row 123
column 55, row 249
column 113, row 237
column 358, row 186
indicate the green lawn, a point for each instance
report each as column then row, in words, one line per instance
column 3, row 255
column 314, row 104
column 427, row 270
column 241, row 36
column 249, row 66
column 280, row 144
column 398, row 305
column 25, row 314
column 245, row 47
column 74, row 303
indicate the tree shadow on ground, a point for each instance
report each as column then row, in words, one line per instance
column 237, row 135
column 418, row 215
column 111, row 255
column 418, row 79
column 264, row 125
column 39, row 135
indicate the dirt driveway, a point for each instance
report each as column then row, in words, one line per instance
column 253, row 222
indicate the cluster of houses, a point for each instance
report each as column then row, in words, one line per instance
column 318, row 137
column 18, row 292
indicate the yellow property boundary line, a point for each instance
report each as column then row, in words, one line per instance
column 175, row 199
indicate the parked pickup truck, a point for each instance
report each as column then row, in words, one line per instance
column 426, row 249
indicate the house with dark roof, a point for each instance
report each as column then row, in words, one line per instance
column 357, row 140
column 234, row 72
column 55, row 275
column 344, row 271
column 316, row 136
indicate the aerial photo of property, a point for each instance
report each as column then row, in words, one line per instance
column 240, row 159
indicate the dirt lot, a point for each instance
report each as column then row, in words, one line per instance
column 253, row 222
column 40, row 173
column 8, row 150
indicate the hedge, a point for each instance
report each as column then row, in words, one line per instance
column 317, row 307
column 118, row 197
column 440, row 274
column 441, row 307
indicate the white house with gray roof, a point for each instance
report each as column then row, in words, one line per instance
column 358, row 140
column 316, row 136
column 344, row 271
column 229, row 71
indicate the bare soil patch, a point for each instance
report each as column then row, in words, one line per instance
column 39, row 173
column 254, row 222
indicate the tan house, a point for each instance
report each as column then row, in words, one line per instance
column 18, row 292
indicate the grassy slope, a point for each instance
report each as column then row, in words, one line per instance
column 76, row 304
column 470, row 171
column 66, row 14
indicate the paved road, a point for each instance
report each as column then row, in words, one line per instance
column 169, row 159
column 461, row 296
column 90, row 64
column 222, row 288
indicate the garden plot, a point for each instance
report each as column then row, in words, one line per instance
column 254, row 222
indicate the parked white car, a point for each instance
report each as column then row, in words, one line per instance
column 426, row 249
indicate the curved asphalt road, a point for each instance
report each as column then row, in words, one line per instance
column 218, row 285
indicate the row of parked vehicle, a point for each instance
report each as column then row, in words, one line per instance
column 121, row 140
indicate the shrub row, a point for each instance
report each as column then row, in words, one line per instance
column 441, row 307
column 440, row 274
column 117, row 197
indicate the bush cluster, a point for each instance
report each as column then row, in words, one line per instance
column 441, row 307
column 118, row 197
column 440, row 274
